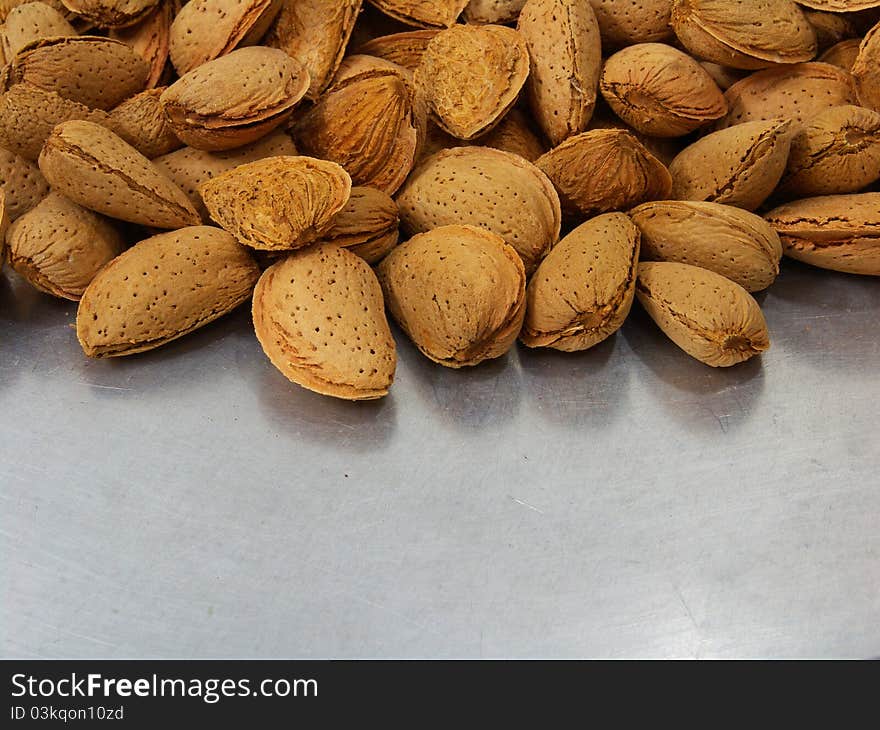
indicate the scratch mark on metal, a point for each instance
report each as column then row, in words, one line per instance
column 526, row 504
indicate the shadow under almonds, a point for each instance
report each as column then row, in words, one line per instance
column 584, row 389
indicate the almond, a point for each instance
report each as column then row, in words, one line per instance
column 622, row 173
column 738, row 166
column 367, row 225
column 729, row 241
column 22, row 182
column 837, row 232
column 359, row 63
column 163, row 288
column 747, row 34
column 493, row 11
column 471, row 76
column 866, row 70
column 149, row 39
column 514, row 134
column 843, row 54
column 495, row 190
column 141, row 122
column 624, row 22
column 315, row 33
column 583, row 290
column 278, row 203
column 31, row 22
column 98, row 170
column 830, row 28
column 840, row 6
column 207, row 29
column 660, row 91
column 458, row 292
column 724, row 76
column 434, row 14
column 112, row 13
column 372, row 124
column 236, row 99
column 565, row 54
column 59, row 247
column 319, row 317
column 707, row 315
column 404, row 49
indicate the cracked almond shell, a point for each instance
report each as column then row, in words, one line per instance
column 604, row 170
column 236, row 99
column 458, row 292
column 493, row 11
column 432, row 14
column 163, row 288
column 102, row 172
column 583, row 290
column 624, row 22
column 59, row 246
column 31, row 22
column 22, row 182
column 866, row 70
column 315, row 33
column 480, row 186
column 404, row 49
column 729, row 241
column 141, row 122
column 471, row 75
column 710, row 317
column 746, row 34
column 837, row 232
column 149, row 39
column 367, row 225
column 372, row 124
column 739, row 166
column 278, row 203
column 660, row 91
column 111, row 13
column 320, row 319
column 565, row 54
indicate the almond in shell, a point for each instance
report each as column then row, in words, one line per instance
column 22, row 183
column 320, row 319
column 513, row 134
column 624, row 23
column 434, row 14
column 367, row 225
column 149, row 38
column 830, row 28
column 32, row 22
column 404, row 49
column 112, row 13
column 493, row 11
column 141, row 122
column 843, row 54
column 866, row 70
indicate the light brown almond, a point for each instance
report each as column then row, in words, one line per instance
column 367, row 225
column 840, row 6
column 22, row 182
column 624, row 22
column 866, row 70
column 724, row 76
column 843, row 54
column 111, row 13
column 32, row 22
column 514, row 134
column 493, row 11
column 404, row 49
column 141, row 122
column 359, row 63
column 433, row 14
column 830, row 28
column 149, row 38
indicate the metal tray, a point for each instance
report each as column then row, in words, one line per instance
column 626, row 501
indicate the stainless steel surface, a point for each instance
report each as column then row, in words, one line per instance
column 627, row 501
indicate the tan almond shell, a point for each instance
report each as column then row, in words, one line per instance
column 423, row 13
column 102, row 172
column 372, row 124
column 368, row 225
column 797, row 92
column 97, row 72
column 404, row 49
column 837, row 152
column 514, row 134
column 583, row 290
column 624, row 22
column 565, row 54
column 480, row 186
column 188, row 167
column 843, row 54
column 746, row 34
column 235, row 99
column 315, row 33
column 28, row 115
column 660, row 91
column 471, row 75
column 493, row 11
column 22, row 182
column 31, row 22
column 710, row 317
column 320, row 319
column 840, row 6
column 111, row 13
column 723, row 76
column 7, row 6
column 830, row 28
column 664, row 149
column 837, row 232
column 738, row 166
column 604, row 170
column 207, row 29
column 458, row 292
column 141, row 122
column 278, row 203
column 150, row 39
column 729, row 241
column 59, row 246
column 866, row 70
column 163, row 288
column 359, row 63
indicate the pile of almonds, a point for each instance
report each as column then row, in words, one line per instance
column 548, row 161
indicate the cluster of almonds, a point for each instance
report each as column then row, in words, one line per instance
column 549, row 161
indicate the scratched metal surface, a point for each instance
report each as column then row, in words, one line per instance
column 623, row 502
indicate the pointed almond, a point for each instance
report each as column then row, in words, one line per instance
column 434, row 14
column 31, row 22
column 140, row 121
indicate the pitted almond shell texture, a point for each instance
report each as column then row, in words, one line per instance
column 423, row 13
column 493, row 11
column 163, row 288
column 99, row 170
column 830, row 28
column 320, row 319
column 624, row 22
column 112, row 13
column 471, row 75
column 565, row 54
column 405, row 49
column 236, row 99
column 660, row 91
column 583, row 290
column 458, row 292
column 729, row 241
column 31, row 22
column 866, row 70
column 710, row 317
column 838, row 232
column 22, row 183
column 484, row 187
column 141, row 122
column 59, row 246
column 150, row 39
column 367, row 225
column 278, row 203
column 604, row 170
